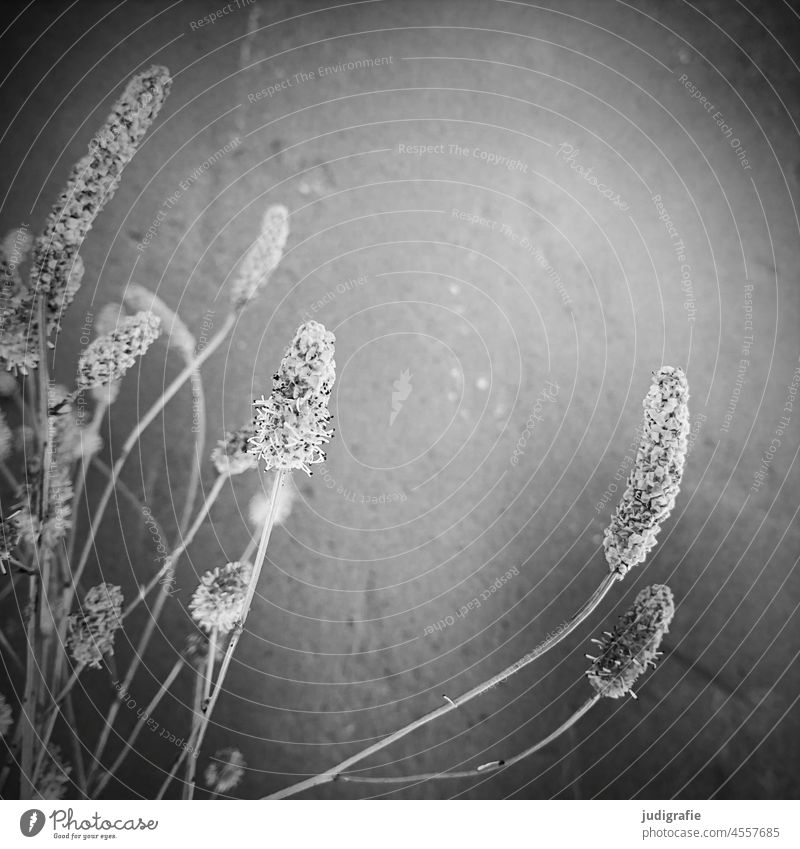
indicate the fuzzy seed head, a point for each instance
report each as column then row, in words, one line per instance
column 225, row 770
column 291, row 425
column 232, row 455
column 258, row 508
column 655, row 479
column 633, row 643
column 92, row 629
column 54, row 778
column 91, row 184
column 218, row 601
column 108, row 357
column 263, row 257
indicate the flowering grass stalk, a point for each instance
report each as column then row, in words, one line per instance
column 210, row 704
column 653, row 482
column 625, row 654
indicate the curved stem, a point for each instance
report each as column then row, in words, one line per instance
column 199, row 431
column 206, row 693
column 452, row 704
column 483, row 769
column 208, row 708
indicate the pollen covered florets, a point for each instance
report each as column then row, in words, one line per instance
column 655, row 479
column 291, row 425
column 219, row 599
column 108, row 357
column 92, row 629
column 632, row 643
column 91, row 184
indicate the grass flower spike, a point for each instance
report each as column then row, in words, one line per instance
column 225, row 770
column 108, row 357
column 91, row 184
column 633, row 643
column 291, row 425
column 263, row 257
column 218, row 601
column 91, row 631
column 655, row 479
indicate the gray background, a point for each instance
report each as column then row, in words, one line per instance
column 336, row 653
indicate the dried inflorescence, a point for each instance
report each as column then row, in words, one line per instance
column 626, row 650
column 655, row 479
column 232, row 455
column 263, row 257
column 57, row 267
column 108, row 357
column 5, row 716
column 219, row 599
column 91, row 184
column 92, row 629
column 259, row 507
column 225, row 770
column 291, row 425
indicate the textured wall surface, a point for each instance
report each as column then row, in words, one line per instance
column 525, row 209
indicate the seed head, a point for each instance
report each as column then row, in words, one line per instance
column 655, row 479
column 90, row 185
column 291, row 425
column 633, row 642
column 219, row 599
column 263, row 257
column 225, row 770
column 107, row 358
column 91, row 630
column 232, row 455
